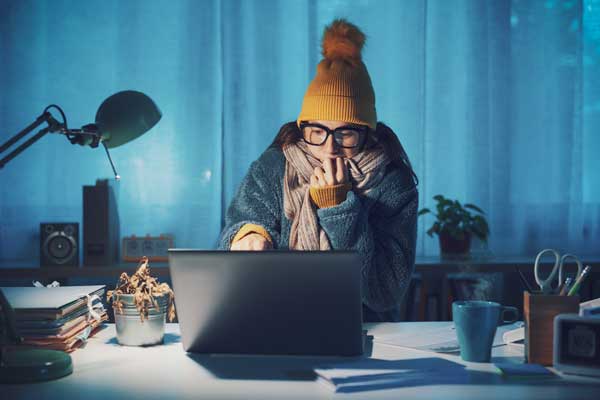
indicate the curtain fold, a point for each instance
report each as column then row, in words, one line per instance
column 76, row 55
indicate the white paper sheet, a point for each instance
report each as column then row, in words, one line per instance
column 375, row 374
column 437, row 339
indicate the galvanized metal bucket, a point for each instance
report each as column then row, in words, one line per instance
column 131, row 331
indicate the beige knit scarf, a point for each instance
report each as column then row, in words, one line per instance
column 366, row 171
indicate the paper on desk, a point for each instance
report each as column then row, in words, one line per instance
column 374, row 374
column 340, row 381
column 437, row 339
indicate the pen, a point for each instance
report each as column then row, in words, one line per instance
column 577, row 284
column 565, row 287
column 523, row 280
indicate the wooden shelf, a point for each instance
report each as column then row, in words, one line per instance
column 23, row 269
column 489, row 263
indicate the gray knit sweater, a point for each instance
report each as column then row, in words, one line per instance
column 380, row 225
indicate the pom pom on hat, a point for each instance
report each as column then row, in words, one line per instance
column 341, row 89
column 343, row 41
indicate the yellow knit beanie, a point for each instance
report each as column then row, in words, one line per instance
column 341, row 89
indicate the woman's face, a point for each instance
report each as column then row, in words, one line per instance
column 329, row 149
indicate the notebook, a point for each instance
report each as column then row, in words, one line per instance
column 48, row 302
column 360, row 376
column 523, row 371
column 28, row 322
column 369, row 374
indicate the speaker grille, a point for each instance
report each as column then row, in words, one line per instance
column 59, row 244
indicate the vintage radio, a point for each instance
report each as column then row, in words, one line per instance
column 153, row 247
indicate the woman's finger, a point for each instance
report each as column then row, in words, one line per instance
column 329, row 173
column 320, row 174
column 252, row 241
column 259, row 242
column 346, row 171
column 235, row 246
column 313, row 181
column 340, row 175
column 255, row 244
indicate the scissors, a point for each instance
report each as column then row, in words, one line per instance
column 559, row 262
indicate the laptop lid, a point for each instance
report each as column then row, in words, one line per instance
column 271, row 302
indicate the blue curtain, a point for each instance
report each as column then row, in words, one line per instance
column 496, row 102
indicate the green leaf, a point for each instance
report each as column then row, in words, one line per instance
column 480, row 227
column 440, row 211
column 435, row 228
column 455, row 219
column 486, row 228
column 474, row 207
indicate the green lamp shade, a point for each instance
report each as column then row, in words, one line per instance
column 124, row 116
column 34, row 365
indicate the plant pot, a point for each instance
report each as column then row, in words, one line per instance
column 450, row 245
column 132, row 331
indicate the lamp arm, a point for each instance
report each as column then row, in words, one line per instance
column 39, row 120
column 22, row 147
column 53, row 126
column 88, row 135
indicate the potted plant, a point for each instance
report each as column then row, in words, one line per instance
column 455, row 224
column 140, row 306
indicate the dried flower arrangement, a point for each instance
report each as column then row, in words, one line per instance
column 144, row 289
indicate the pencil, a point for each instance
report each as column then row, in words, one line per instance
column 577, row 284
column 565, row 287
column 524, row 281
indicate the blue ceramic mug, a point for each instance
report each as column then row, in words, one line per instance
column 476, row 322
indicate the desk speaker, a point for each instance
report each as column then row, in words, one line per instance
column 59, row 244
column 100, row 224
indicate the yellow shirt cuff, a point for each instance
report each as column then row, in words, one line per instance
column 251, row 228
column 329, row 196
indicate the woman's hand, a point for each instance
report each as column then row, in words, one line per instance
column 332, row 172
column 252, row 241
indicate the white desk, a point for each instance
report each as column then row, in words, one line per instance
column 105, row 370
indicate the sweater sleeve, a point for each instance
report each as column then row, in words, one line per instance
column 382, row 228
column 255, row 203
column 247, row 229
column 329, row 196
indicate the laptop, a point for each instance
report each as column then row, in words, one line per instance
column 268, row 302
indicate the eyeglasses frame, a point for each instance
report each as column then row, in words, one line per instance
column 363, row 130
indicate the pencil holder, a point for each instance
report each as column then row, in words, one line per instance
column 539, row 311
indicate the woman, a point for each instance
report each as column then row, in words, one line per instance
column 335, row 179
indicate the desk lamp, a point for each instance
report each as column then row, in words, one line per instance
column 121, row 118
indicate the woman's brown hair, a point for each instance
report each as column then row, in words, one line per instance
column 382, row 136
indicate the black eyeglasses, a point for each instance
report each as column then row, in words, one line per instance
column 348, row 136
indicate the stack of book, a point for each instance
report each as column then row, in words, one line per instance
column 59, row 318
